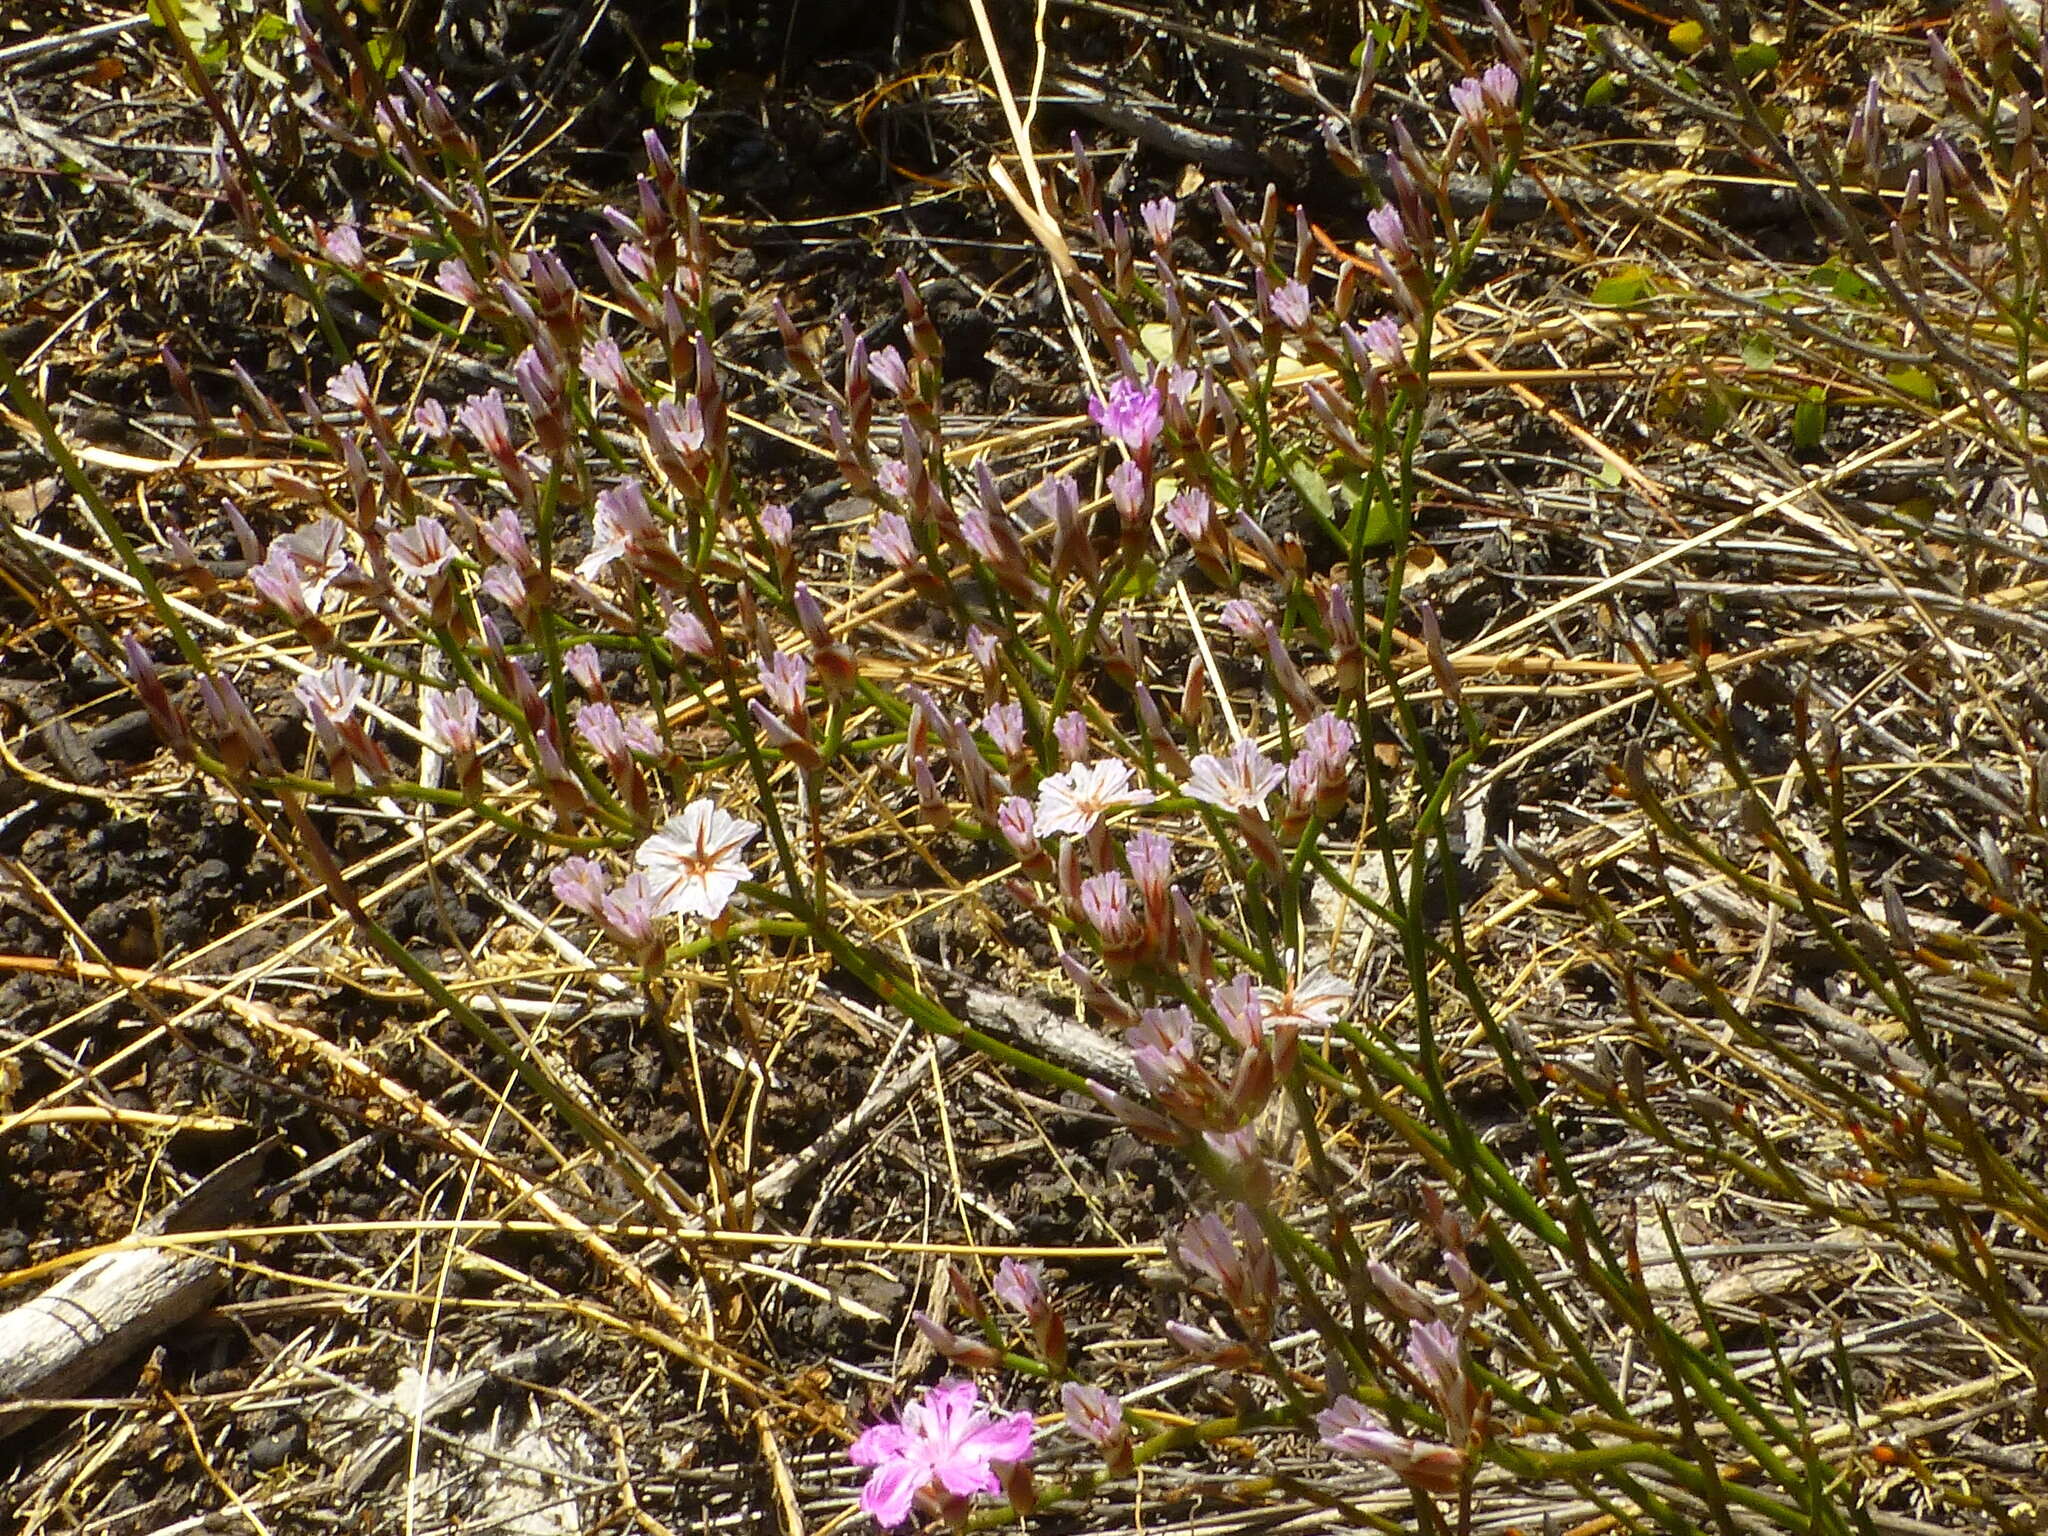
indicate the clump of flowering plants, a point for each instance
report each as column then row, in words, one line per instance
column 556, row 605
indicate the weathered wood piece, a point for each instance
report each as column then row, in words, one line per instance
column 58, row 1344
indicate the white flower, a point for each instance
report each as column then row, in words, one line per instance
column 1239, row 782
column 1316, row 998
column 695, row 862
column 1074, row 801
column 333, row 692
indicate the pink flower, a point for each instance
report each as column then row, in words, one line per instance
column 1391, row 233
column 582, row 663
column 1005, row 726
column 1290, row 305
column 580, row 884
column 891, row 540
column 696, row 861
column 1075, row 801
column 623, row 519
column 1469, row 103
column 1351, row 1429
column 448, row 720
column 1129, row 413
column 1192, row 515
column 351, row 387
column 1097, row 1417
column 1383, row 341
column 1502, row 88
column 1309, row 999
column 454, row 278
column 332, row 692
column 343, row 245
column 686, row 632
column 1158, row 216
column 784, row 677
column 886, row 367
column 942, row 1449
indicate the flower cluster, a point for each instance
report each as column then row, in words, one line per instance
column 602, row 618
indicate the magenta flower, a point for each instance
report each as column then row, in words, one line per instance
column 944, row 1448
column 1129, row 413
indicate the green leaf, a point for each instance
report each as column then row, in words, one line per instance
column 1379, row 526
column 199, row 20
column 669, row 96
column 1914, row 383
column 385, row 50
column 1687, row 38
column 1604, row 92
column 1314, row 490
column 1625, row 288
column 1712, row 409
column 1845, row 283
column 264, row 72
column 1156, row 342
column 1810, row 418
column 1758, row 351
column 1753, row 59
